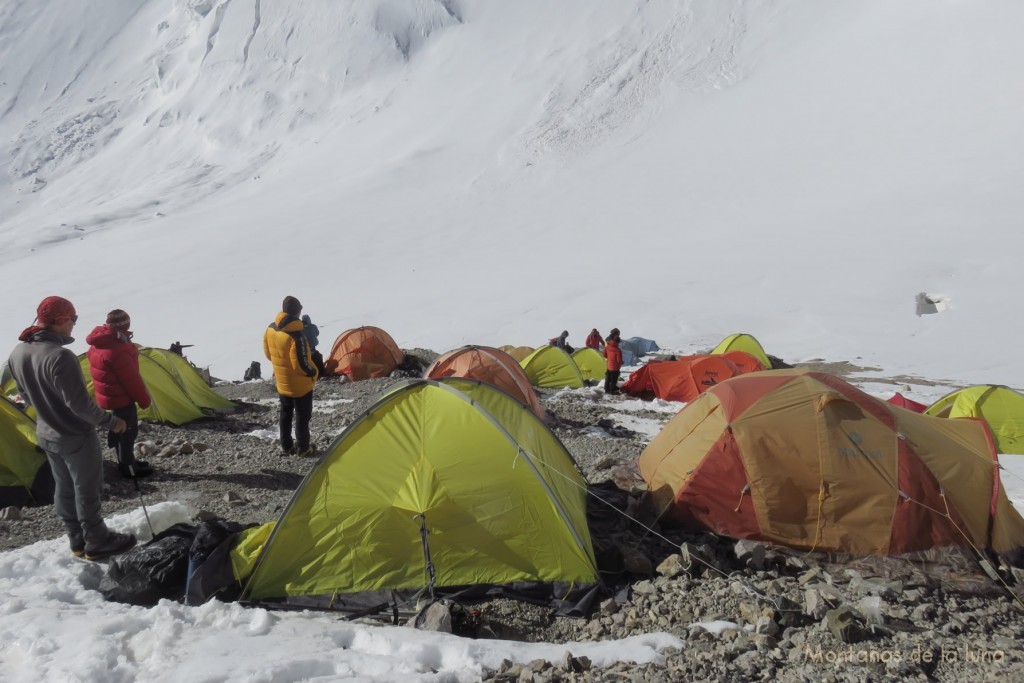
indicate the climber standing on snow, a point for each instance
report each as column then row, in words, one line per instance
column 287, row 348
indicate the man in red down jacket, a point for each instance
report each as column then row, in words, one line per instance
column 114, row 366
column 595, row 340
column 613, row 354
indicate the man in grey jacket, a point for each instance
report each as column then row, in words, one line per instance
column 49, row 378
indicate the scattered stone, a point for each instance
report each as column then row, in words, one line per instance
column 750, row 553
column 636, row 562
column 846, row 625
column 205, row 516
column 672, row 566
column 11, row 513
column 232, row 498
column 434, row 617
column 808, row 576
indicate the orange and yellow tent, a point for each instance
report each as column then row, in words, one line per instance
column 683, row 379
column 489, row 365
column 805, row 460
column 362, row 353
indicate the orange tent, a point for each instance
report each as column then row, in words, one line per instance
column 805, row 460
column 683, row 379
column 491, row 366
column 362, row 353
column 744, row 362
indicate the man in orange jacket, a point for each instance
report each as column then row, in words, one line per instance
column 286, row 347
column 613, row 356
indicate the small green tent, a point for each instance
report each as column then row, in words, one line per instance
column 25, row 476
column 189, row 379
column 744, row 342
column 590, row 362
column 549, row 367
column 451, row 479
column 1000, row 407
column 170, row 402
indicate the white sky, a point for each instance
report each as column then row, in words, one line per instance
column 471, row 172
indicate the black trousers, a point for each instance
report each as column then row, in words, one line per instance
column 611, row 381
column 301, row 409
column 124, row 443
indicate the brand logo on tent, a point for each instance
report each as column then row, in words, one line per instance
column 856, row 439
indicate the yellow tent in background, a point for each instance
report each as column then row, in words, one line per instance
column 451, row 479
column 1000, row 407
column 170, row 402
column 517, row 352
column 189, row 379
column 550, row 367
column 590, row 362
column 744, row 342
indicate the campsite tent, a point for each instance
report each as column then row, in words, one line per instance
column 682, row 379
column 517, row 352
column 452, row 480
column 902, row 401
column 189, row 379
column 550, row 367
column 488, row 365
column 171, row 404
column 804, row 459
column 364, row 353
column 591, row 363
column 25, row 476
column 744, row 342
column 1000, row 407
column 744, row 362
column 638, row 346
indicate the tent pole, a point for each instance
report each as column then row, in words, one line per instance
column 429, row 564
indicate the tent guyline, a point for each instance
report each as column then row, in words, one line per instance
column 654, row 532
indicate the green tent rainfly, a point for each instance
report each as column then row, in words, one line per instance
column 449, row 478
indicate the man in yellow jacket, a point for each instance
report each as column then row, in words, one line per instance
column 286, row 348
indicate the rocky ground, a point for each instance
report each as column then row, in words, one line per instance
column 744, row 611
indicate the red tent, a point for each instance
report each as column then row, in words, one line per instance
column 904, row 402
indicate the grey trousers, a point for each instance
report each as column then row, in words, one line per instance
column 77, row 464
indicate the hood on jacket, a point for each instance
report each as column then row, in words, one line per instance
column 288, row 323
column 105, row 337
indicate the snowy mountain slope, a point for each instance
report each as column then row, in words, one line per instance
column 495, row 172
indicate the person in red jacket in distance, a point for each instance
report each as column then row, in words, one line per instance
column 114, row 366
column 613, row 356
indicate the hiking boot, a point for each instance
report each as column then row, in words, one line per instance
column 287, row 450
column 114, row 544
column 136, row 470
column 78, row 549
column 307, row 452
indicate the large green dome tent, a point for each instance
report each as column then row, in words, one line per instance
column 442, row 484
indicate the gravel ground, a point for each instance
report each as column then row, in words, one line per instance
column 767, row 613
